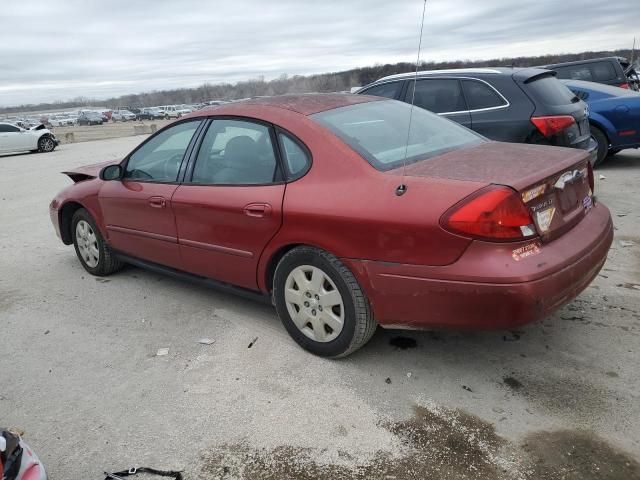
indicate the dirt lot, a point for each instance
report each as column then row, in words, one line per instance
column 86, row 133
column 556, row 400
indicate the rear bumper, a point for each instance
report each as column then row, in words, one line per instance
column 592, row 149
column 487, row 288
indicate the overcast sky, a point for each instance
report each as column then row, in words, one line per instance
column 60, row 49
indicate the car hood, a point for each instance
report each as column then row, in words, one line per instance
column 86, row 172
column 514, row 164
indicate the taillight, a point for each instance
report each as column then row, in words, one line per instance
column 552, row 125
column 592, row 183
column 624, row 85
column 493, row 213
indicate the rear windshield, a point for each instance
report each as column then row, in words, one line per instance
column 550, row 91
column 378, row 132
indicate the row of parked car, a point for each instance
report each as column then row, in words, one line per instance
column 551, row 104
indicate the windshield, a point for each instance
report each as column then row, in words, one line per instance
column 378, row 132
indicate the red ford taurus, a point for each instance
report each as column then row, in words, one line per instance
column 346, row 214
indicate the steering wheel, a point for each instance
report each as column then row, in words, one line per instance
column 172, row 165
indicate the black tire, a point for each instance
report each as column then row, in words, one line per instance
column 107, row 261
column 46, row 144
column 603, row 145
column 359, row 324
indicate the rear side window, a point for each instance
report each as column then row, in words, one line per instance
column 550, row 91
column 574, row 72
column 603, row 71
column 236, row 152
column 480, row 95
column 388, row 90
column 440, row 95
column 295, row 157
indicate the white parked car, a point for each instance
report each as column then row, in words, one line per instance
column 175, row 111
column 17, row 139
column 122, row 116
column 60, row 121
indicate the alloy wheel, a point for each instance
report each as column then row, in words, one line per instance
column 87, row 244
column 314, row 303
column 47, row 144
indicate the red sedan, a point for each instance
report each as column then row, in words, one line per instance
column 346, row 214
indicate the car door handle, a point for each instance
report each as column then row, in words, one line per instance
column 257, row 210
column 157, row 202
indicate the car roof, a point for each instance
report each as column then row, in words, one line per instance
column 305, row 104
column 520, row 73
column 589, row 60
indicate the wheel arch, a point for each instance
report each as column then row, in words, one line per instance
column 65, row 215
column 268, row 270
column 604, row 125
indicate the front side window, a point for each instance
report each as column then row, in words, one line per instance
column 378, row 132
column 480, row 95
column 236, row 152
column 4, row 128
column 159, row 159
column 439, row 95
column 388, row 90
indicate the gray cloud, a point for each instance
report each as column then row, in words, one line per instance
column 59, row 49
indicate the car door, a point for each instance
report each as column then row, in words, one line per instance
column 137, row 211
column 13, row 139
column 230, row 204
column 442, row 96
column 488, row 110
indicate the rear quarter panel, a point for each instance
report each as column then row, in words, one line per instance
column 346, row 207
column 614, row 115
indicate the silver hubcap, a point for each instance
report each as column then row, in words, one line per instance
column 314, row 303
column 87, row 244
column 47, row 144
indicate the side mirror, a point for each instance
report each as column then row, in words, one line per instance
column 111, row 172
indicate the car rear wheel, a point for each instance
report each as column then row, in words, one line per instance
column 603, row 145
column 321, row 304
column 93, row 252
column 46, row 144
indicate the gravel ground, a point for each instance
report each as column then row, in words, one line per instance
column 556, row 400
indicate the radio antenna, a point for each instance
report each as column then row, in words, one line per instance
column 402, row 188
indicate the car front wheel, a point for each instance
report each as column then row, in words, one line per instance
column 46, row 144
column 93, row 252
column 321, row 304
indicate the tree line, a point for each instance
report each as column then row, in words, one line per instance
column 326, row 82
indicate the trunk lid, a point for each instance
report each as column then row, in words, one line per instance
column 553, row 182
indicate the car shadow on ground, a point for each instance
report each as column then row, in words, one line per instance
column 623, row 160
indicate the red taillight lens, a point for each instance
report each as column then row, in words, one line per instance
column 494, row 213
column 592, row 182
column 624, row 85
column 549, row 126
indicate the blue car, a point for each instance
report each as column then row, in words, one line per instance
column 614, row 116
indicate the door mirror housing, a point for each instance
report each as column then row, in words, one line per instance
column 111, row 172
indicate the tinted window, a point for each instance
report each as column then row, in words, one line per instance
column 603, row 71
column 378, row 132
column 438, row 95
column 4, row 128
column 388, row 90
column 160, row 158
column 550, row 91
column 235, row 152
column 574, row 72
column 294, row 155
column 480, row 95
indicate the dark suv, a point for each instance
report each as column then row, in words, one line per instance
column 615, row 71
column 522, row 105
